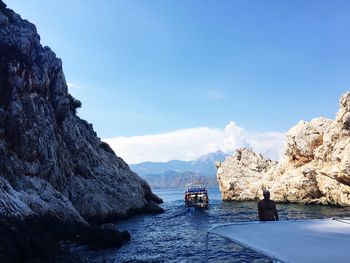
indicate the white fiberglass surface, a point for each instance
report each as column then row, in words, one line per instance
column 293, row 241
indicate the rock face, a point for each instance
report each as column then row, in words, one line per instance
column 52, row 164
column 314, row 167
column 240, row 176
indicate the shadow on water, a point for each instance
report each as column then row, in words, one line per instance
column 179, row 236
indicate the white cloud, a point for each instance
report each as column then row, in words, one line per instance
column 73, row 86
column 188, row 144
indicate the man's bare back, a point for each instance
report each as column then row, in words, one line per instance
column 267, row 208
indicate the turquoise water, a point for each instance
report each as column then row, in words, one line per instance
column 176, row 236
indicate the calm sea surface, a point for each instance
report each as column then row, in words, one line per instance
column 176, row 236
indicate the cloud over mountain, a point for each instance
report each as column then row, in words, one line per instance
column 189, row 144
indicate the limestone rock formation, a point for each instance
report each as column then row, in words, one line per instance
column 52, row 164
column 314, row 167
column 242, row 175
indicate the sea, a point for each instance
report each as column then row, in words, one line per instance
column 179, row 235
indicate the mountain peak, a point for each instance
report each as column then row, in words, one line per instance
column 204, row 165
column 212, row 157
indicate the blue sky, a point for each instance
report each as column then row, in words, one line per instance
column 154, row 67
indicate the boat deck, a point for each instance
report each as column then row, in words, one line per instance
column 323, row 240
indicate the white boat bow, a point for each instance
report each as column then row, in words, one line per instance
column 314, row 240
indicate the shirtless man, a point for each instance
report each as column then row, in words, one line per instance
column 267, row 208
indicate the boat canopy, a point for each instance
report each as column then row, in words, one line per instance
column 196, row 190
column 195, row 187
column 319, row 240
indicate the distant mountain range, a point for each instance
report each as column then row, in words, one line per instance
column 177, row 173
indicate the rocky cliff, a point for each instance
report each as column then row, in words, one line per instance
column 314, row 167
column 52, row 164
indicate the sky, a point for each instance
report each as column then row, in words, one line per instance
column 176, row 79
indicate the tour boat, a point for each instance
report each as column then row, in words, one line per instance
column 196, row 195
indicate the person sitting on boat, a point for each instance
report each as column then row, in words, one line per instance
column 267, row 208
column 200, row 199
column 195, row 199
column 187, row 199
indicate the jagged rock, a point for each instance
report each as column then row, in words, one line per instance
column 153, row 208
column 240, row 176
column 52, row 164
column 314, row 167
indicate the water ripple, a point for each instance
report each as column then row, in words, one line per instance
column 175, row 236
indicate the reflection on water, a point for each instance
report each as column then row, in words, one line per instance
column 176, row 236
